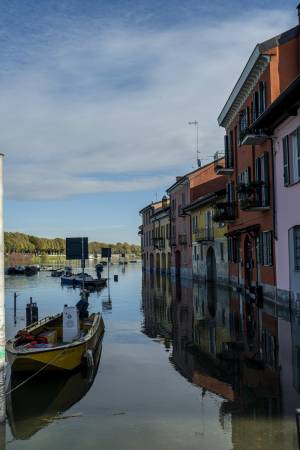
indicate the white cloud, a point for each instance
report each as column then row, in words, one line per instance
column 107, row 110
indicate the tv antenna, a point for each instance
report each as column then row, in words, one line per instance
column 196, row 123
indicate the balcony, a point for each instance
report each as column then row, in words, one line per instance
column 158, row 243
column 252, row 137
column 224, row 212
column 141, row 230
column 220, row 166
column 254, row 196
column 182, row 239
column 204, row 234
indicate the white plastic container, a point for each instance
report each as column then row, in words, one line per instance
column 71, row 325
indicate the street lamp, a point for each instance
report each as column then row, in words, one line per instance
column 196, row 123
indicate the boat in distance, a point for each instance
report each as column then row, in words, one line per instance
column 42, row 344
column 77, row 280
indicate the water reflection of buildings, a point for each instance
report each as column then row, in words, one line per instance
column 227, row 346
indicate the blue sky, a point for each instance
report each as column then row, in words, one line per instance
column 96, row 97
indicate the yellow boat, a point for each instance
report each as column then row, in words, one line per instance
column 31, row 355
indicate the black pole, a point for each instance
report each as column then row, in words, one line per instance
column 15, row 308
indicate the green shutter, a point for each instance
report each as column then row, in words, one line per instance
column 298, row 152
column 286, row 168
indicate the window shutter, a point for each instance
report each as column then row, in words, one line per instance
column 226, row 150
column 229, row 249
column 258, row 169
column 228, row 192
column 266, row 191
column 286, row 168
column 270, row 248
column 261, row 249
column 248, row 176
column 298, row 152
column 262, row 97
column 230, row 147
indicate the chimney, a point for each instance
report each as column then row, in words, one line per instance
column 298, row 8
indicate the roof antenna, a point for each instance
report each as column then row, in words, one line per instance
column 196, row 123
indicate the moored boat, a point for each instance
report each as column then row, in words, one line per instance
column 57, row 273
column 47, row 343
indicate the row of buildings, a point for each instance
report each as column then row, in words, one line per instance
column 237, row 220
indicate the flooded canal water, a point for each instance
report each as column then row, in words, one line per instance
column 182, row 366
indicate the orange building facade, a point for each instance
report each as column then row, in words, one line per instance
column 249, row 209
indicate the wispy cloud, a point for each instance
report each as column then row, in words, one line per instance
column 90, row 111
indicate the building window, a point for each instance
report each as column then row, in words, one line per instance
column 195, row 252
column 297, row 247
column 222, row 250
column 266, row 248
column 194, row 224
column 291, row 158
column 243, row 124
column 201, row 252
column 233, row 249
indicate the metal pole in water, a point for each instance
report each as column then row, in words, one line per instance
column 15, row 308
column 82, row 263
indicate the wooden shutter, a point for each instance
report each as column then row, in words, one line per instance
column 266, row 190
column 298, row 152
column 261, row 249
column 230, row 148
column 230, row 249
column 286, row 164
column 226, row 150
column 262, row 97
column 258, row 169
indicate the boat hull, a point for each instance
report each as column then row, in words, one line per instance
column 67, row 357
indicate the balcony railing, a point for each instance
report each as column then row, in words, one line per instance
column 220, row 164
column 182, row 239
column 254, row 196
column 158, row 243
column 224, row 212
column 204, row 234
column 252, row 137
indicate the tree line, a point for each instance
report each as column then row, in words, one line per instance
column 27, row 244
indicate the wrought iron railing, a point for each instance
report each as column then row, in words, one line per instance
column 224, row 212
column 204, row 234
column 158, row 242
column 255, row 194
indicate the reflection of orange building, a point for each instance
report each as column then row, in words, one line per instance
column 227, row 346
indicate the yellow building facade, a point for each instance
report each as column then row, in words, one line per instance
column 209, row 241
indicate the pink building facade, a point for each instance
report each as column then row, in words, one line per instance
column 282, row 123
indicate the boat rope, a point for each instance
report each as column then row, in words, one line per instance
column 37, row 372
